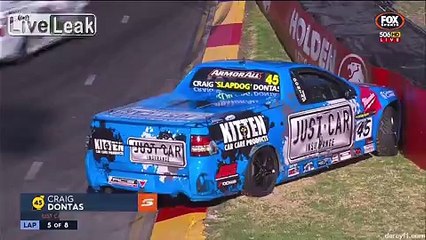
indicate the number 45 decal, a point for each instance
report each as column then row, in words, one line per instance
column 364, row 129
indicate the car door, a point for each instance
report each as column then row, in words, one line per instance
column 323, row 124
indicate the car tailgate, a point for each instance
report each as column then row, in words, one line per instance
column 142, row 145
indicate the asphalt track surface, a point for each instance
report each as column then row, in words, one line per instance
column 47, row 103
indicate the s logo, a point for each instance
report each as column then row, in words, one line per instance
column 147, row 202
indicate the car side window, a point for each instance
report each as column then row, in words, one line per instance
column 317, row 87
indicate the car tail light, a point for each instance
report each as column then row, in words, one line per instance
column 202, row 146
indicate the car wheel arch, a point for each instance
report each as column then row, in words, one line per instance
column 263, row 146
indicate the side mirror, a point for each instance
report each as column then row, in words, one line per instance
column 349, row 94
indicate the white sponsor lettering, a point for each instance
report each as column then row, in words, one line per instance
column 320, row 50
column 229, row 182
column 205, row 84
column 236, row 74
column 244, row 132
column 387, row 94
column 300, row 90
column 104, row 146
column 266, row 88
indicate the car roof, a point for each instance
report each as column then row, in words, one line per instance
column 254, row 64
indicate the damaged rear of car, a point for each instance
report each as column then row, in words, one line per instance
column 185, row 142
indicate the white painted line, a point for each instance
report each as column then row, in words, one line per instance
column 32, row 172
column 125, row 19
column 90, row 79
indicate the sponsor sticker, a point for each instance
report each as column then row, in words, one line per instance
column 369, row 148
column 308, row 167
column 293, row 170
column 321, row 130
column 229, row 117
column 335, row 158
column 125, row 182
column 364, row 129
column 108, row 147
column 159, row 152
column 364, row 115
column 227, row 175
column 244, row 132
column 323, row 162
column 369, row 100
column 345, row 155
column 235, row 74
column 300, row 91
column 357, row 152
column 387, row 94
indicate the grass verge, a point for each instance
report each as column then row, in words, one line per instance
column 370, row 199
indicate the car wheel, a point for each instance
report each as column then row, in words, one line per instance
column 387, row 139
column 262, row 173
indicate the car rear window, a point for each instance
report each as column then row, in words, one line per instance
column 235, row 80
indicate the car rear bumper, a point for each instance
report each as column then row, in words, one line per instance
column 197, row 187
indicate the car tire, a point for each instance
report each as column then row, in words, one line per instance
column 387, row 138
column 261, row 173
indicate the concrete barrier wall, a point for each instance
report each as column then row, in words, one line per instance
column 305, row 40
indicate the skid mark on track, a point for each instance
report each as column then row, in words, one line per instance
column 32, row 172
column 90, row 79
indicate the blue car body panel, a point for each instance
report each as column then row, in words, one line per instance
column 124, row 142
